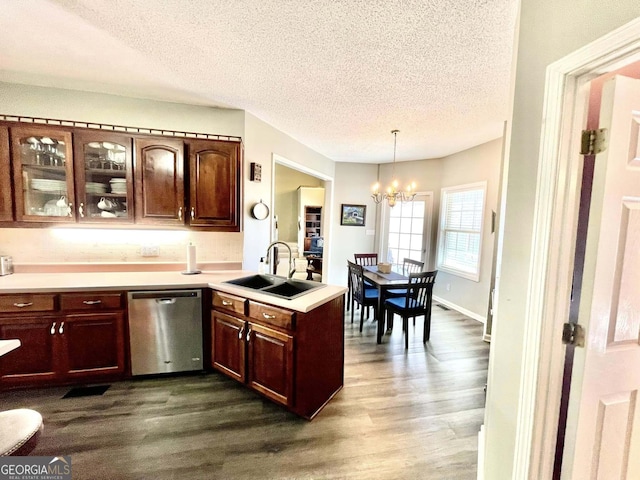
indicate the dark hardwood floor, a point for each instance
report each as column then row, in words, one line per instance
column 401, row 415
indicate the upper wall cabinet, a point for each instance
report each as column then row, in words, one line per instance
column 104, row 177
column 214, row 184
column 6, row 204
column 42, row 174
column 99, row 176
column 159, row 181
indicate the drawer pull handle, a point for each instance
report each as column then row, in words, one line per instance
column 22, row 305
column 53, row 329
column 249, row 334
column 61, row 329
column 193, row 213
column 267, row 316
column 240, row 333
column 92, row 302
column 226, row 303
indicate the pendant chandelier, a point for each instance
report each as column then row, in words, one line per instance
column 392, row 194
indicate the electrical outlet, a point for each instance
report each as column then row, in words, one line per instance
column 448, row 287
column 149, row 251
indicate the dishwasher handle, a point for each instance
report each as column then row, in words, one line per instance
column 166, row 301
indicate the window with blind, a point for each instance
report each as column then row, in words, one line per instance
column 460, row 235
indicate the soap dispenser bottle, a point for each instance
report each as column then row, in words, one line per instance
column 261, row 266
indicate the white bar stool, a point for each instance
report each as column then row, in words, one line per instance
column 20, row 429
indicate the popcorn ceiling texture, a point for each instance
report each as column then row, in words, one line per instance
column 34, row 246
column 337, row 76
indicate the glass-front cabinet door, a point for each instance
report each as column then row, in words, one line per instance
column 42, row 174
column 104, row 181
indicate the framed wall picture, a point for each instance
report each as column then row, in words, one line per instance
column 353, row 215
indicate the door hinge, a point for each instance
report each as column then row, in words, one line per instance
column 594, row 141
column 573, row 334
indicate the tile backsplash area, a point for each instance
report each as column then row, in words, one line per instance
column 71, row 245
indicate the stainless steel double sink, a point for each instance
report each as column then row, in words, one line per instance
column 276, row 286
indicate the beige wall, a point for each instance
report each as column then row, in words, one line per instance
column 348, row 240
column 549, row 30
column 477, row 164
column 30, row 246
column 262, row 141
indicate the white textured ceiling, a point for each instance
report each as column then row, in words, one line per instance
column 335, row 75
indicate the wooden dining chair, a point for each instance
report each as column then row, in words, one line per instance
column 364, row 296
column 408, row 266
column 365, row 259
column 416, row 302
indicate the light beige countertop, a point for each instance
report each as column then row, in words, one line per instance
column 84, row 281
column 7, row 346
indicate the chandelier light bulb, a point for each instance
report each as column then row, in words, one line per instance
column 392, row 194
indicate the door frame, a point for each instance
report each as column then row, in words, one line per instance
column 328, row 203
column 553, row 242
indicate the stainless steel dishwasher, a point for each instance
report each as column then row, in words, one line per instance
column 165, row 331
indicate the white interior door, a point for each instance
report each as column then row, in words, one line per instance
column 603, row 430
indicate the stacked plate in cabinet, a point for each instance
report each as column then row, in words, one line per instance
column 94, row 187
column 45, row 185
column 118, row 185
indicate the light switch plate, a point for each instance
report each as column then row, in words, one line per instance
column 370, row 232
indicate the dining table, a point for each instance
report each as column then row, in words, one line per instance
column 383, row 282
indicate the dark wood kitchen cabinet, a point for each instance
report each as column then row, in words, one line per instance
column 159, row 181
column 66, row 338
column 6, row 201
column 295, row 359
column 214, row 184
column 43, row 175
column 252, row 353
column 104, row 177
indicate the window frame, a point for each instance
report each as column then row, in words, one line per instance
column 442, row 229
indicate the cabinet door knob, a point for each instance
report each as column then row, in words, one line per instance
column 81, row 210
column 240, row 333
column 267, row 316
column 22, row 305
column 180, row 213
column 92, row 302
column 70, row 210
column 61, row 329
column 53, row 329
column 248, row 334
column 193, row 213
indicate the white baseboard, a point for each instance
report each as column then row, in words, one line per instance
column 460, row 309
column 481, row 453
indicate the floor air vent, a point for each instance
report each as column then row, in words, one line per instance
column 86, row 391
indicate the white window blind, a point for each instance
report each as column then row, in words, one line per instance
column 460, row 233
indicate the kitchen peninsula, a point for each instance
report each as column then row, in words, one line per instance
column 73, row 328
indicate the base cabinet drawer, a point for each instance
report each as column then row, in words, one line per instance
column 92, row 302
column 24, row 303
